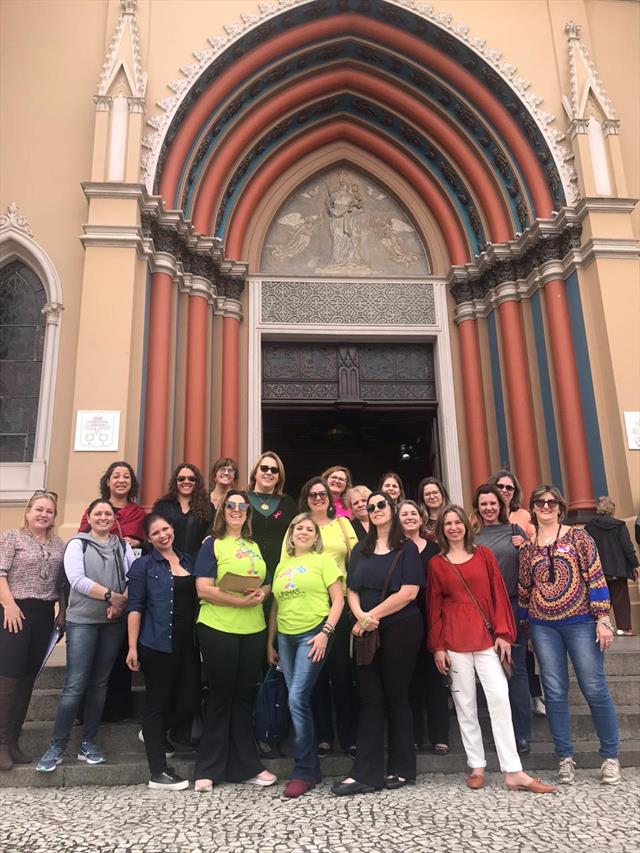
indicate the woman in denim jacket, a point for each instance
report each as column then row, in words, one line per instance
column 162, row 610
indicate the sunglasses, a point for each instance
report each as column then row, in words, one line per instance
column 378, row 505
column 232, row 505
column 45, row 493
column 269, row 469
column 505, row 487
column 552, row 503
column 188, row 479
column 317, row 496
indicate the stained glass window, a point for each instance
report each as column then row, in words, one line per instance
column 22, row 329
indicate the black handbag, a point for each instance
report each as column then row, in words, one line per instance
column 364, row 648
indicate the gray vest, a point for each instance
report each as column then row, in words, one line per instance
column 104, row 563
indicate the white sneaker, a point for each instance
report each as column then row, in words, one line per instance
column 537, row 706
column 567, row 771
column 610, row 772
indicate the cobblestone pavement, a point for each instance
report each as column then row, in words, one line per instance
column 438, row 814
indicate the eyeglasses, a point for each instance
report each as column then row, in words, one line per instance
column 317, row 496
column 336, row 478
column 232, row 505
column 186, row 479
column 540, row 503
column 432, row 494
column 378, row 505
column 269, row 469
column 45, row 493
column 230, row 471
column 505, row 487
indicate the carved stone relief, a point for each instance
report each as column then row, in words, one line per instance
column 347, row 373
column 348, row 303
column 342, row 223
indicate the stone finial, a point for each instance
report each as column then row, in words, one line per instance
column 572, row 29
column 13, row 219
column 128, row 6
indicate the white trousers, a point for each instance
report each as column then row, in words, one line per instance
column 464, row 666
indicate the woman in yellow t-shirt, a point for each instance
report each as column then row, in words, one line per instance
column 335, row 689
column 308, row 594
column 232, row 633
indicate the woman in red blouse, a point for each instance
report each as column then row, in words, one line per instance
column 463, row 645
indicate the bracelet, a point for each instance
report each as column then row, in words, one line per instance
column 329, row 627
column 606, row 624
column 326, row 633
column 364, row 621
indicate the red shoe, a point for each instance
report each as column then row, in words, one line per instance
column 536, row 786
column 297, row 787
column 475, row 781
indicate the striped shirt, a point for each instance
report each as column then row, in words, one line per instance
column 562, row 582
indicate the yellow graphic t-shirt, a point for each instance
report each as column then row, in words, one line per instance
column 300, row 587
column 241, row 557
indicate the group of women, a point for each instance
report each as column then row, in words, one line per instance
column 374, row 607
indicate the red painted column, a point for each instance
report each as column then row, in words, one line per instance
column 230, row 411
column 196, row 391
column 523, row 434
column 474, row 406
column 156, row 408
column 572, row 429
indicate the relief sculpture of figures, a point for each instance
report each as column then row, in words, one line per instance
column 341, row 223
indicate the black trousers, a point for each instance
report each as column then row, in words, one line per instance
column 620, row 602
column 172, row 694
column 428, row 689
column 232, row 665
column 21, row 654
column 383, row 688
column 336, row 682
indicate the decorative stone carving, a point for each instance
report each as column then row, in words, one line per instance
column 342, row 223
column 503, row 71
column 52, row 312
column 350, row 373
column 585, row 83
column 348, row 303
column 123, row 63
column 13, row 219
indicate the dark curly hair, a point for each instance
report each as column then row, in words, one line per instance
column 199, row 503
column 103, row 487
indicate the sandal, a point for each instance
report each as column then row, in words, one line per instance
column 441, row 749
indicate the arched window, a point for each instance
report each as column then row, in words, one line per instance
column 22, row 332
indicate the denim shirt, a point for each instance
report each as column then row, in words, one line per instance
column 151, row 594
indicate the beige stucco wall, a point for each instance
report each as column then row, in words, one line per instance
column 51, row 53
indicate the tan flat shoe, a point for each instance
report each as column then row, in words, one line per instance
column 203, row 786
column 475, row 782
column 536, row 786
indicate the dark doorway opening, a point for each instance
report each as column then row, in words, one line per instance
column 368, row 441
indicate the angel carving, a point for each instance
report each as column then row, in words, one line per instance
column 388, row 229
column 299, row 238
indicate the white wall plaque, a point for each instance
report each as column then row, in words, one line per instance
column 97, row 430
column 632, row 422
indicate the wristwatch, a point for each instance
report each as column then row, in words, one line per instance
column 107, row 595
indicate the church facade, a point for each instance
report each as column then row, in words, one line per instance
column 382, row 233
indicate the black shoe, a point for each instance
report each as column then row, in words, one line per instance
column 168, row 781
column 393, row 782
column 347, row 789
column 351, row 751
column 169, row 748
column 323, row 751
column 523, row 746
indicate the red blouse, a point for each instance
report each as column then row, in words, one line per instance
column 128, row 522
column 453, row 619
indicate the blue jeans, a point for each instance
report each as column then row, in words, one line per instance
column 519, row 696
column 91, row 652
column 551, row 643
column 301, row 674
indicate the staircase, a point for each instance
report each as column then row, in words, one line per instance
column 126, row 760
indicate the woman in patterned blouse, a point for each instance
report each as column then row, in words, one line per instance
column 564, row 598
column 31, row 581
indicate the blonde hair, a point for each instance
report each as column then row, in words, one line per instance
column 41, row 493
column 363, row 491
column 288, row 539
column 605, row 505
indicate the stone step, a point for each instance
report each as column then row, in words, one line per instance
column 131, row 769
column 624, row 689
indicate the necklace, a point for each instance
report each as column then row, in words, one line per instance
column 267, row 500
column 548, row 540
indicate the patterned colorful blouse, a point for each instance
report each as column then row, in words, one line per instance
column 32, row 569
column 562, row 582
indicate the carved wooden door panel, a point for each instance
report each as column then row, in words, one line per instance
column 298, row 374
